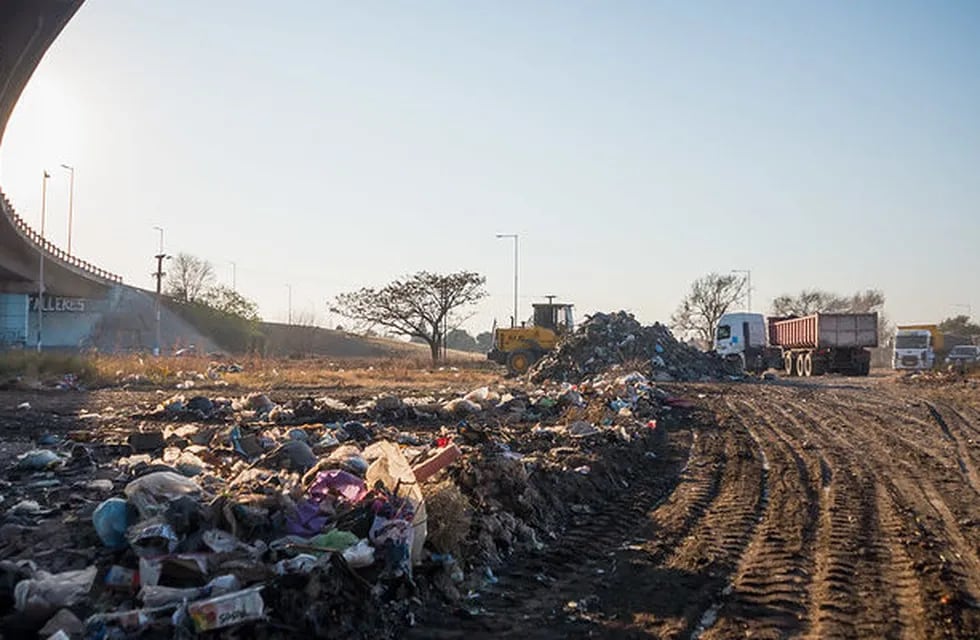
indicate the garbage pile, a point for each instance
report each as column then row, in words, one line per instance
column 605, row 341
column 307, row 516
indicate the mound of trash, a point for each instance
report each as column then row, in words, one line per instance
column 284, row 516
column 605, row 341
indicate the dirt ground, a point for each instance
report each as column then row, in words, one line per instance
column 843, row 507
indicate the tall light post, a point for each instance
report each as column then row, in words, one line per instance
column 40, row 269
column 160, row 256
column 71, row 200
column 513, row 321
column 234, row 276
column 748, row 285
column 289, row 316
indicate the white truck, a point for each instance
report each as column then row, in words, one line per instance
column 801, row 346
column 923, row 346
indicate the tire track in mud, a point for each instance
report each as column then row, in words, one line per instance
column 963, row 458
column 715, row 546
column 914, row 496
column 770, row 589
column 852, row 549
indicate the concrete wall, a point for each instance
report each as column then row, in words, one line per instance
column 13, row 320
column 122, row 320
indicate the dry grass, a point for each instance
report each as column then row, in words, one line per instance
column 448, row 516
column 259, row 373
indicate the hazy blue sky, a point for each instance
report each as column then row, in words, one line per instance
column 634, row 146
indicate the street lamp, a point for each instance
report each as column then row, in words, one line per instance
column 234, row 275
column 513, row 321
column 160, row 256
column 40, row 274
column 289, row 317
column 748, row 282
column 71, row 201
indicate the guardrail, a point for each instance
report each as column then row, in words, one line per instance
column 51, row 250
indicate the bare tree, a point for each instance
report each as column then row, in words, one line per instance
column 814, row 301
column 709, row 299
column 424, row 305
column 190, row 279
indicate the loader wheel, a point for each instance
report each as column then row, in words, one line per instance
column 518, row 362
column 788, row 364
column 808, row 365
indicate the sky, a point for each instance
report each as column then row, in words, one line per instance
column 323, row 146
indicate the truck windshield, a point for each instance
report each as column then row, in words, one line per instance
column 963, row 351
column 911, row 342
column 724, row 332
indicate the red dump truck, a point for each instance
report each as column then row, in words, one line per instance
column 808, row 346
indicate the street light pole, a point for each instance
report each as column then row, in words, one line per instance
column 234, row 276
column 160, row 256
column 289, row 316
column 71, row 201
column 748, row 283
column 40, row 274
column 513, row 321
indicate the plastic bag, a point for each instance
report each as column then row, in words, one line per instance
column 347, row 485
column 111, row 519
column 46, row 592
column 156, row 596
column 153, row 493
column 37, row 460
column 360, row 555
column 150, row 539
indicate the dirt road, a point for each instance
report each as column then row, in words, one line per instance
column 837, row 509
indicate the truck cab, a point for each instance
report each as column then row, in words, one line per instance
column 742, row 338
column 915, row 348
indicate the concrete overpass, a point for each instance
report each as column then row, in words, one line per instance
column 83, row 305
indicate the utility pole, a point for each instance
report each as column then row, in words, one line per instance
column 71, row 201
column 160, row 257
column 234, row 276
column 748, row 285
column 289, row 316
column 40, row 269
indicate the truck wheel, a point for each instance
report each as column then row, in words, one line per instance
column 799, row 366
column 808, row 365
column 788, row 363
column 518, row 362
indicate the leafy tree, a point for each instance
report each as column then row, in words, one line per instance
column 424, row 305
column 229, row 301
column 960, row 325
column 189, row 279
column 710, row 298
column 484, row 342
column 460, row 340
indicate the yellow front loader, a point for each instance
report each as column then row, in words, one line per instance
column 520, row 347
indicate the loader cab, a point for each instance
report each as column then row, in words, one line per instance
column 738, row 333
column 554, row 316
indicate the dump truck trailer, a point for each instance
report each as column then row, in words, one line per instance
column 805, row 346
column 827, row 343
